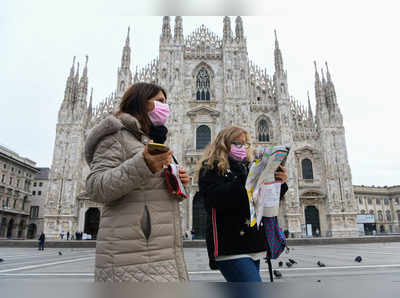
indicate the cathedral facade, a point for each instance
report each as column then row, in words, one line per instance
column 211, row 83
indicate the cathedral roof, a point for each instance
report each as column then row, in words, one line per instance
column 203, row 37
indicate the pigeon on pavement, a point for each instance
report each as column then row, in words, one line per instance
column 60, row 253
column 289, row 264
column 277, row 274
column 320, row 264
column 358, row 259
column 280, row 263
column 1, row 260
column 292, row 261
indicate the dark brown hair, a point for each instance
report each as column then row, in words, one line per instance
column 134, row 102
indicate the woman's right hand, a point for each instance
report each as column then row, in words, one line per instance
column 156, row 162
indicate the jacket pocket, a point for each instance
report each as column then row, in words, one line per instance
column 145, row 223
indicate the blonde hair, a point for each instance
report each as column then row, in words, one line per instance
column 216, row 154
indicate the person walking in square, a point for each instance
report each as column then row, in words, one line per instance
column 140, row 234
column 42, row 239
column 234, row 247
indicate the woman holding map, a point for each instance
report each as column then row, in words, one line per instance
column 234, row 247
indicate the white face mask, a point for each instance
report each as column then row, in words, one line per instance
column 159, row 114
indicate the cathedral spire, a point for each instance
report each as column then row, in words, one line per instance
column 75, row 87
column 227, row 35
column 328, row 75
column 77, row 74
column 84, row 73
column 166, row 29
column 323, row 78
column 83, row 83
column 278, row 56
column 331, row 93
column 72, row 72
column 310, row 114
column 126, row 53
column 317, row 80
column 178, row 34
column 239, row 28
column 318, row 88
column 124, row 79
column 127, row 41
column 70, row 82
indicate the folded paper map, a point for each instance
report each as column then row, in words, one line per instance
column 263, row 190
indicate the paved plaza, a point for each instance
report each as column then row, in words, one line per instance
column 381, row 261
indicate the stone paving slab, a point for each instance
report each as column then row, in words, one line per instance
column 381, row 260
column 201, row 243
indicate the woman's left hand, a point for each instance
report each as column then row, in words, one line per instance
column 282, row 175
column 183, row 175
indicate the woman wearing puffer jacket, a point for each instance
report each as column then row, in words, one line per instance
column 140, row 237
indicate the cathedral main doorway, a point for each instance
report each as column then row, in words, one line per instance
column 92, row 220
column 312, row 219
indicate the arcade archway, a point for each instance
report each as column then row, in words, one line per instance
column 10, row 228
column 32, row 229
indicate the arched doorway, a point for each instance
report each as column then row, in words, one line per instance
column 10, row 228
column 21, row 229
column 199, row 218
column 312, row 218
column 32, row 231
column 92, row 220
column 3, row 227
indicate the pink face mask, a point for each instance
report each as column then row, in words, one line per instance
column 159, row 114
column 238, row 153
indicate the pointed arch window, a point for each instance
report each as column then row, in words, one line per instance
column 263, row 134
column 202, row 85
column 203, row 137
column 306, row 166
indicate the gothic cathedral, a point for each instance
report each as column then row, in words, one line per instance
column 211, row 83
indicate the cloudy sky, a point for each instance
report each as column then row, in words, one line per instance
column 360, row 41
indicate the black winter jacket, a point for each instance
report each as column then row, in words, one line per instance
column 227, row 205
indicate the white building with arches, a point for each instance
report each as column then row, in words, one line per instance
column 211, row 83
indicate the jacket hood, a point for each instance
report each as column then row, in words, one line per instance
column 109, row 126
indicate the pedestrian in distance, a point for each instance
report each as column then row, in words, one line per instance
column 42, row 239
column 68, row 235
column 140, row 236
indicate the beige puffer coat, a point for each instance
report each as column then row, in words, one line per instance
column 139, row 237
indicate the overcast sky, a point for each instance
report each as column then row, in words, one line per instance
column 359, row 40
